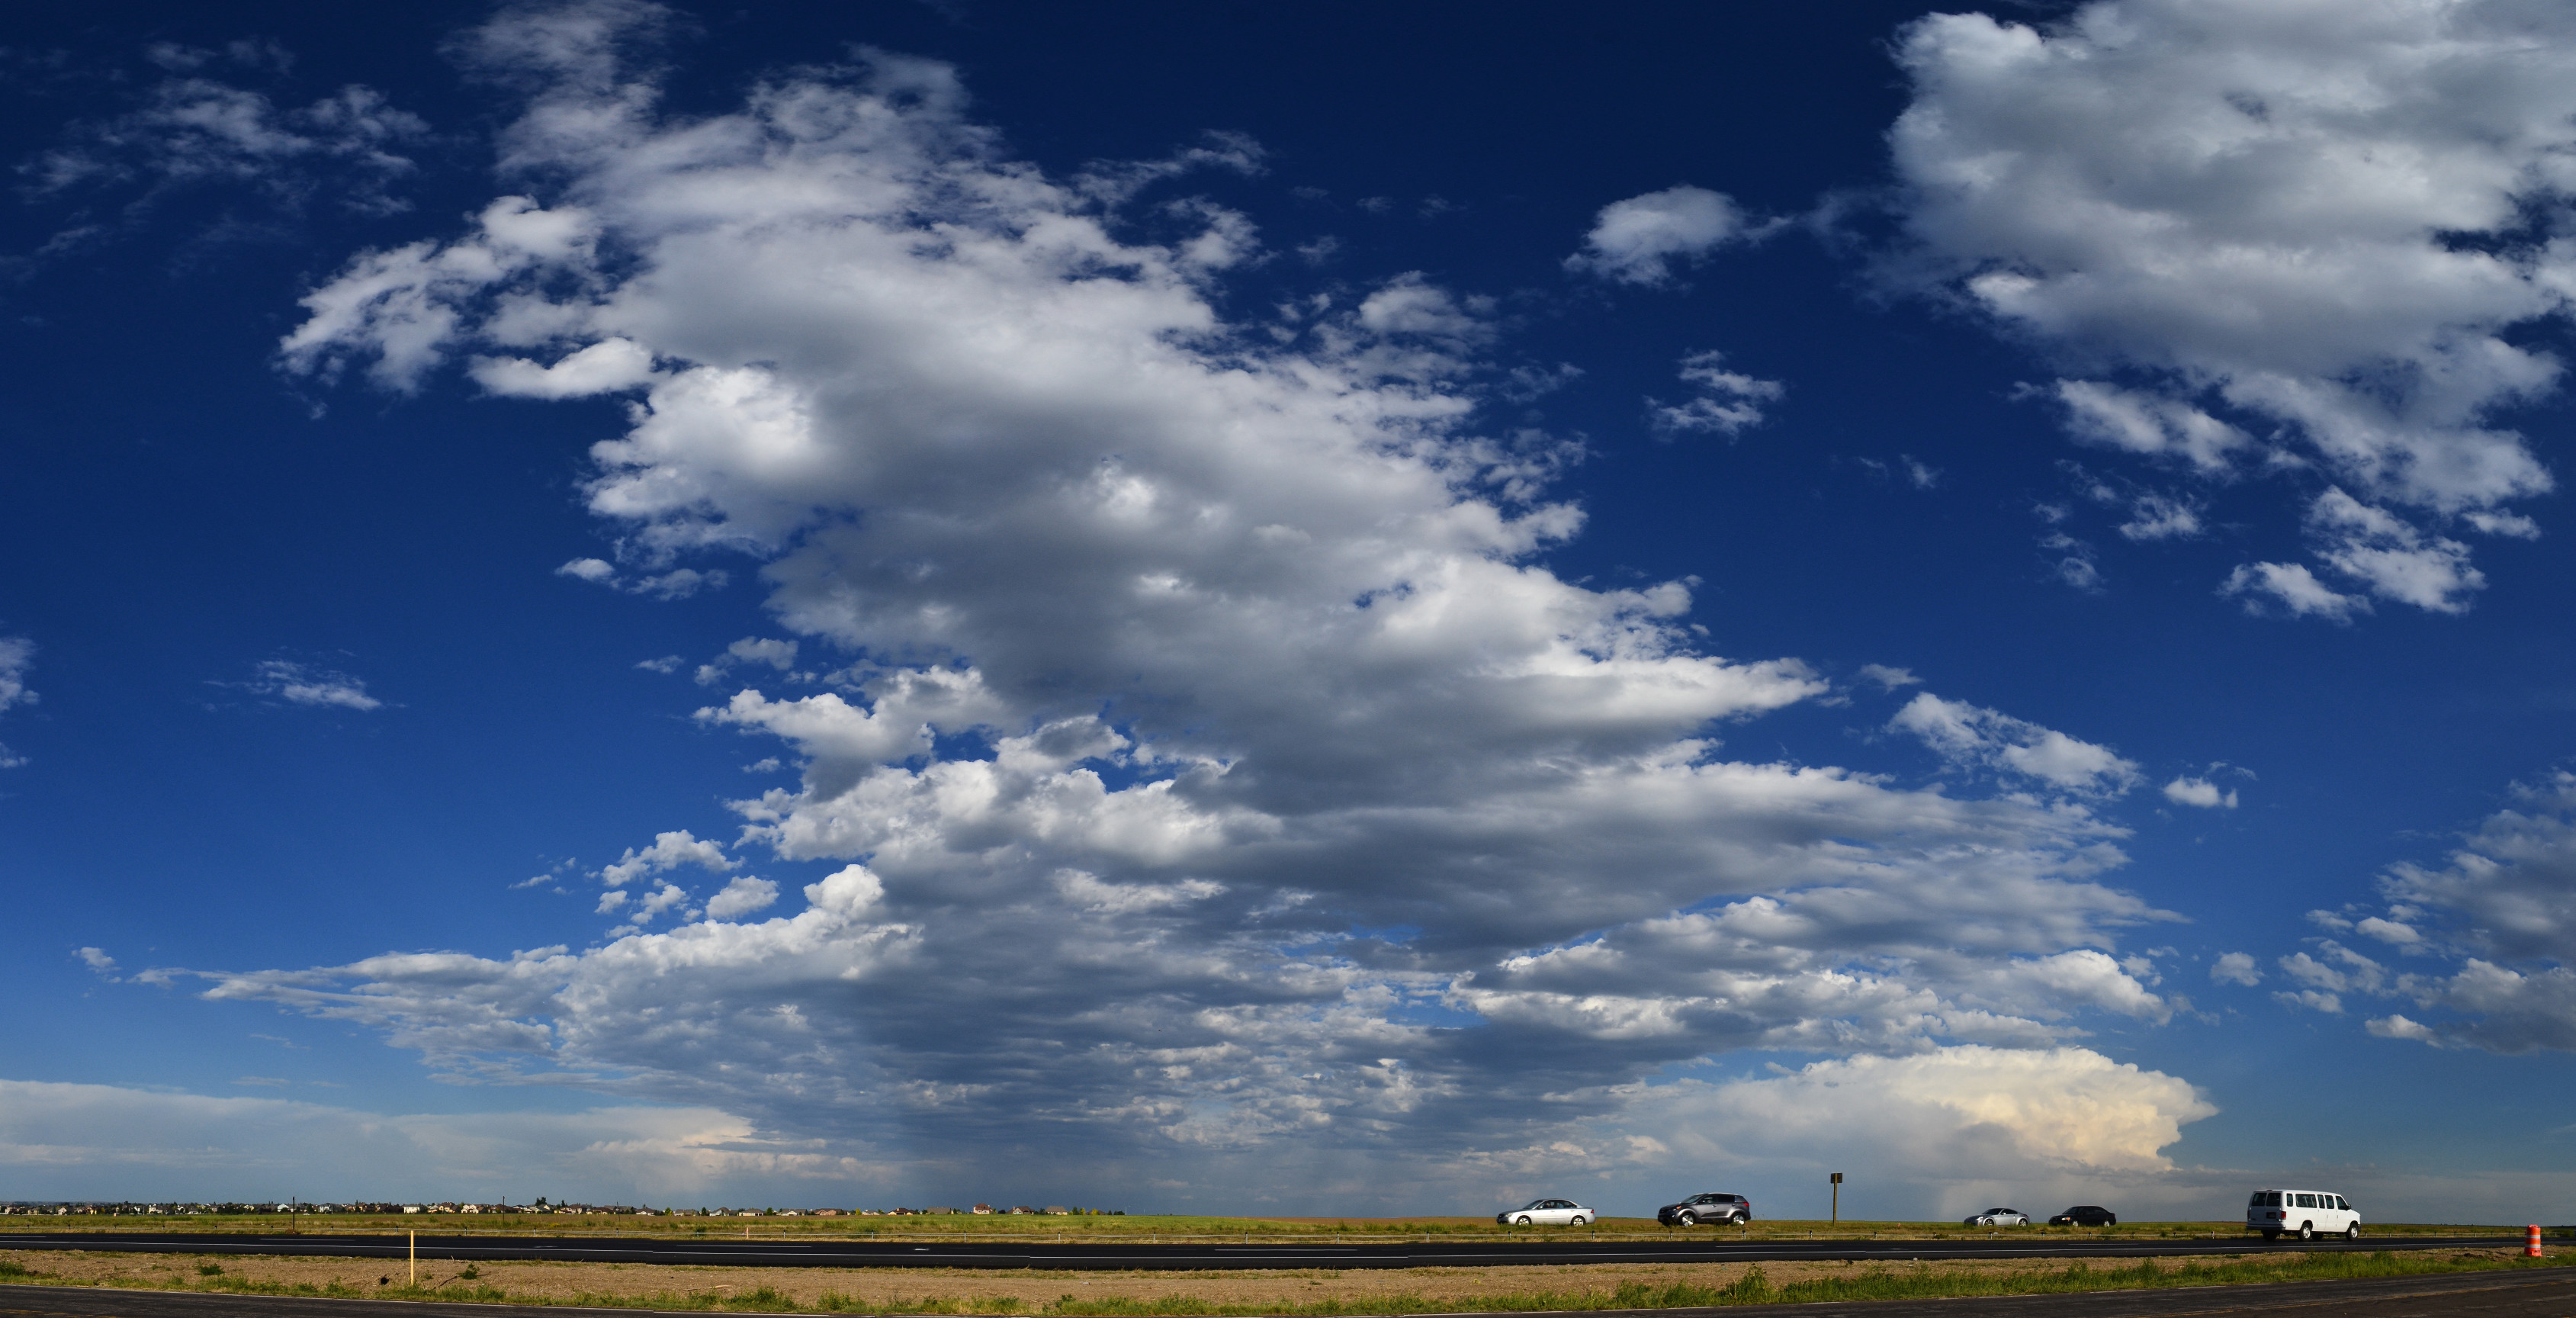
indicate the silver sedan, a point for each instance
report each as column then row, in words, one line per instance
column 1547, row 1212
column 2000, row 1217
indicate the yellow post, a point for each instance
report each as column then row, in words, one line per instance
column 415, row 1260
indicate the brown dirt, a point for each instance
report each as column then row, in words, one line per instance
column 893, row 1289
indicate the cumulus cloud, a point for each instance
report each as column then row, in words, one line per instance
column 1641, row 239
column 305, row 684
column 2199, row 792
column 1728, row 401
column 2295, row 239
column 1971, row 736
column 669, row 851
column 2292, row 587
column 777, row 654
column 742, row 897
column 2235, row 968
column 1966, row 1112
column 1210, row 757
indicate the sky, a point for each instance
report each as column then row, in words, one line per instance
column 1253, row 608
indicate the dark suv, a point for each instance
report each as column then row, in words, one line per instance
column 1731, row 1208
column 2086, row 1215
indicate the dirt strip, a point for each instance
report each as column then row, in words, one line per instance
column 898, row 1289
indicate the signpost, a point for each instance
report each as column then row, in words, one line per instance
column 1838, row 1198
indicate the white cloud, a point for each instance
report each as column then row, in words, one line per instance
column 2302, row 222
column 2313, row 999
column 1967, row 1112
column 2390, row 557
column 1966, row 734
column 778, row 654
column 2291, row 586
column 1889, row 679
column 1212, row 743
column 669, row 851
column 677, row 583
column 2199, row 792
column 301, row 684
column 608, row 366
column 2235, row 968
column 1638, row 241
column 2161, row 517
column 1728, row 401
column 2145, row 423
column 742, row 897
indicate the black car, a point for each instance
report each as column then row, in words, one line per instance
column 2086, row 1215
column 1733, row 1209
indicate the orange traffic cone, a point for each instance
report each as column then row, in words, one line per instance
column 2531, row 1242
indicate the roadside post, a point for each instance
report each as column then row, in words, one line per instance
column 1838, row 1198
column 415, row 1260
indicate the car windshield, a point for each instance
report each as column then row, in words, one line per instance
column 1534, row 1203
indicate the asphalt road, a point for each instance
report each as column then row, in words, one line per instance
column 1416, row 1252
column 2460, row 1295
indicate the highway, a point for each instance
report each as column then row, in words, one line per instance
column 2459, row 1295
column 1132, row 1255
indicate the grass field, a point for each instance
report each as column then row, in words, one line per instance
column 1152, row 1227
column 1321, row 1294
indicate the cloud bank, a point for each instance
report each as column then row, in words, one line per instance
column 2294, row 238
column 1209, row 759
column 2500, row 914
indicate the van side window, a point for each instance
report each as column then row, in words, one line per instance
column 2307, row 1201
column 2343, row 1203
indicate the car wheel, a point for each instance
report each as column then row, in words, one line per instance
column 1689, row 1219
column 2352, row 1232
column 1522, row 1220
column 1742, row 1220
column 2307, row 1231
column 1578, row 1221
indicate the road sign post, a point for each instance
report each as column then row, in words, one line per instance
column 1838, row 1198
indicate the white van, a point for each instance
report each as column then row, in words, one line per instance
column 2305, row 1213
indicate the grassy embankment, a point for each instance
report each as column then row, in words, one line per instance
column 1749, row 1287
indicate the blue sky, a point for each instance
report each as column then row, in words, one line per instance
column 1246, row 608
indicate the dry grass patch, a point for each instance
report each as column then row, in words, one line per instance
column 1320, row 1293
